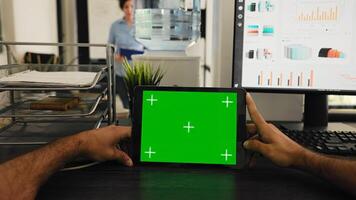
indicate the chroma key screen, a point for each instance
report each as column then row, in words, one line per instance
column 189, row 127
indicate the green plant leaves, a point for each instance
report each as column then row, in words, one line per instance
column 141, row 73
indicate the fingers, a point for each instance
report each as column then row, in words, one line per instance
column 256, row 117
column 120, row 132
column 252, row 109
column 274, row 127
column 276, row 131
column 251, row 129
column 255, row 137
column 257, row 146
column 122, row 157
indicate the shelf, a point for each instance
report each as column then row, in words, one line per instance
column 100, row 114
column 37, row 127
column 100, row 70
column 87, row 106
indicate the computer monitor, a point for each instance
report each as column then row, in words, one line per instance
column 296, row 46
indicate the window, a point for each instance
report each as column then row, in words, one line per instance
column 342, row 102
column 342, row 109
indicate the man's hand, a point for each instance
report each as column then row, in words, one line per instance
column 22, row 177
column 101, row 144
column 270, row 142
column 273, row 144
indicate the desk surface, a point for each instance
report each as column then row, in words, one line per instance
column 110, row 181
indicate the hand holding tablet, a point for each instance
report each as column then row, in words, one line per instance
column 189, row 126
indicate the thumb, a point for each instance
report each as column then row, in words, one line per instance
column 256, row 145
column 122, row 157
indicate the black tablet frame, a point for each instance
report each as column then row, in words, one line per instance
column 137, row 122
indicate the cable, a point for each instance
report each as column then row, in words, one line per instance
column 79, row 167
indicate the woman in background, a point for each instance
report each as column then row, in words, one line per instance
column 122, row 36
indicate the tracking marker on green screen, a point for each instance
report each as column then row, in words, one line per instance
column 152, row 100
column 226, row 155
column 150, row 152
column 189, row 127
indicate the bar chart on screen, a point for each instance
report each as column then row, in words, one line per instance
column 301, row 44
column 326, row 11
column 310, row 18
column 286, row 79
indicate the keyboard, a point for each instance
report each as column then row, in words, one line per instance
column 341, row 143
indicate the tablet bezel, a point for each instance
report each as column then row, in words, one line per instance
column 137, row 123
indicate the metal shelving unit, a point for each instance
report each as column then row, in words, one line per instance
column 36, row 127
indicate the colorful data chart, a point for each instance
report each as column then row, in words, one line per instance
column 297, row 52
column 261, row 6
column 259, row 54
column 268, row 30
column 253, row 30
column 319, row 14
column 286, row 79
column 252, row 7
column 331, row 53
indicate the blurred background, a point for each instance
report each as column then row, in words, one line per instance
column 202, row 59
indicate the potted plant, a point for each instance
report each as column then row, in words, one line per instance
column 140, row 74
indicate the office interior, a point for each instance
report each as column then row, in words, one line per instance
column 208, row 62
column 40, row 24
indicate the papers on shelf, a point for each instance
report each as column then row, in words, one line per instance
column 31, row 78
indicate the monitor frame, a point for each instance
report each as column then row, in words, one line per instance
column 237, row 68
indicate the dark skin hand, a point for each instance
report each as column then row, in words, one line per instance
column 276, row 146
column 22, row 177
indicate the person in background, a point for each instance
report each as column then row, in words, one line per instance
column 122, row 37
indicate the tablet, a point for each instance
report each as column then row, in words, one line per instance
column 189, row 126
column 128, row 53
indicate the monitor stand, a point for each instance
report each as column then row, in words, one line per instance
column 316, row 111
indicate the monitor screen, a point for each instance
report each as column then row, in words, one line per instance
column 189, row 127
column 305, row 45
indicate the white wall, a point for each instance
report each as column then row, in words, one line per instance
column 35, row 21
column 102, row 13
column 7, row 31
column 273, row 106
column 224, row 27
column 7, row 25
column 70, row 30
column 210, row 51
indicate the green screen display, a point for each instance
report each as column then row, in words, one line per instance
column 189, row 127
